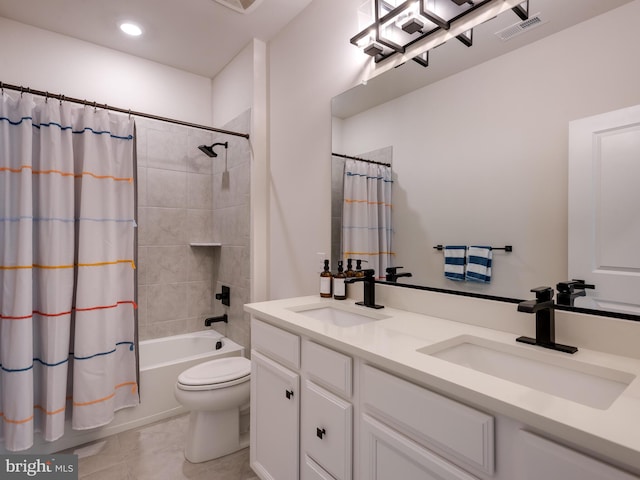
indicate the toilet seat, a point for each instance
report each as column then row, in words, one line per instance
column 214, row 374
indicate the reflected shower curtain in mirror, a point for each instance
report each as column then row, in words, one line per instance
column 66, row 268
column 366, row 214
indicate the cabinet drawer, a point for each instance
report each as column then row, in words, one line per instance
column 387, row 455
column 280, row 345
column 538, row 458
column 448, row 426
column 326, row 430
column 328, row 368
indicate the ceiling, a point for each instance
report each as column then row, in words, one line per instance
column 198, row 36
column 202, row 36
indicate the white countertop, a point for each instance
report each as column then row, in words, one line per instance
column 393, row 342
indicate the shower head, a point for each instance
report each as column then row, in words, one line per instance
column 208, row 149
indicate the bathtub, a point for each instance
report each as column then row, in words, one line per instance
column 161, row 361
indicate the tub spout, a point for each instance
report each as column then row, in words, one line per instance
column 210, row 320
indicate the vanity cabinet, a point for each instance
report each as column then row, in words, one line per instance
column 299, row 412
column 320, row 414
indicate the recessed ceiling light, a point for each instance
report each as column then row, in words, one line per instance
column 131, row 29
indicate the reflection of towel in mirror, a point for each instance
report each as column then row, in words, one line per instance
column 479, row 264
column 454, row 260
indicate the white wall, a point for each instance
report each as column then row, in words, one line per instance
column 47, row 61
column 232, row 88
column 242, row 85
column 530, row 94
column 310, row 62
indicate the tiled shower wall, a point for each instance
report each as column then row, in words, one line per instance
column 184, row 197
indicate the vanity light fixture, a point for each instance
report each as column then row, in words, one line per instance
column 390, row 27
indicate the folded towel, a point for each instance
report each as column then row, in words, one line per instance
column 479, row 264
column 454, row 260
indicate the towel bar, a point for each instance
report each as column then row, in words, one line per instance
column 506, row 248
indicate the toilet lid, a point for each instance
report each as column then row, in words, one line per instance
column 217, row 371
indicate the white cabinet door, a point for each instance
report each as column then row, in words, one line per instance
column 326, row 430
column 275, row 419
column 385, row 454
column 604, row 208
column 539, row 458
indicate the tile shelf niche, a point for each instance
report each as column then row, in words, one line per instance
column 205, row 244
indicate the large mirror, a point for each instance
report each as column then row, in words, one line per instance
column 479, row 140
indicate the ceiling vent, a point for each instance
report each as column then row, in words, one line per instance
column 520, row 27
column 242, row 6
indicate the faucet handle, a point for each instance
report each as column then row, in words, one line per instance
column 393, row 269
column 568, row 287
column 543, row 294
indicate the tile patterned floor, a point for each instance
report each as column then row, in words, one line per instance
column 155, row 452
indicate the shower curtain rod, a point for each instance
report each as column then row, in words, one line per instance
column 130, row 112
column 360, row 159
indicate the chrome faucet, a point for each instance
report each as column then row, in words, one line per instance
column 369, row 280
column 544, row 308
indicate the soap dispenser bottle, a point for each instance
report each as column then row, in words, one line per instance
column 326, row 281
column 349, row 272
column 359, row 273
column 339, row 287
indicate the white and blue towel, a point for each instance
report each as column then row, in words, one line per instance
column 454, row 260
column 479, row 264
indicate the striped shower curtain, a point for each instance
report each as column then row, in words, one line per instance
column 66, row 268
column 366, row 215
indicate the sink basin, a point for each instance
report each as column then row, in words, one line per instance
column 587, row 384
column 340, row 316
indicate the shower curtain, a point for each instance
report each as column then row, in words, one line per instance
column 366, row 215
column 66, row 268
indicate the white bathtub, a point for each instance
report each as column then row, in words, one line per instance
column 161, row 361
column 180, row 349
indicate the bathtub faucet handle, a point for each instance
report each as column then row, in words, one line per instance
column 224, row 296
column 210, row 320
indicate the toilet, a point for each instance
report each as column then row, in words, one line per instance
column 217, row 393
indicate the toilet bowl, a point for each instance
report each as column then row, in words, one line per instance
column 216, row 392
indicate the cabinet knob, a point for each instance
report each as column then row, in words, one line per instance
column 320, row 432
column 289, row 394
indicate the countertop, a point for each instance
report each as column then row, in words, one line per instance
column 393, row 343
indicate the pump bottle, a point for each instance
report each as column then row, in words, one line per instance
column 349, row 273
column 326, row 281
column 339, row 287
column 359, row 273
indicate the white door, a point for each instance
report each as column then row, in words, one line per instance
column 604, row 208
column 275, row 419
